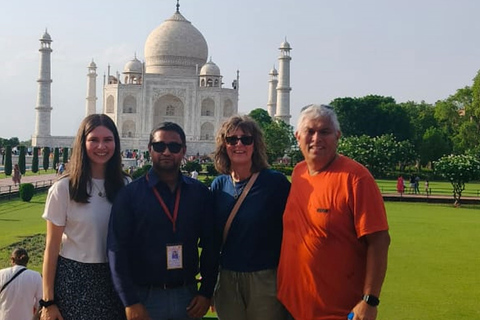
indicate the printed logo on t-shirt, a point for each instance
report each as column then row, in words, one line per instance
column 322, row 210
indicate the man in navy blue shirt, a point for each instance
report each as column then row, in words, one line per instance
column 157, row 224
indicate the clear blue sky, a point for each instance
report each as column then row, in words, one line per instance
column 410, row 50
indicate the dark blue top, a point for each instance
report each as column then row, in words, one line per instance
column 255, row 236
column 139, row 231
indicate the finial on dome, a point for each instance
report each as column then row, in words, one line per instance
column 178, row 6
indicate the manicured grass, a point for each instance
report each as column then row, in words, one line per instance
column 433, row 270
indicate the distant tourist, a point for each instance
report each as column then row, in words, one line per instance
column 61, row 168
column 194, row 174
column 17, row 176
column 21, row 289
column 400, row 185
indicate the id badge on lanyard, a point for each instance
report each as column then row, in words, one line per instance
column 174, row 256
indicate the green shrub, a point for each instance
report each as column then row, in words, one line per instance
column 207, row 181
column 35, row 160
column 46, row 158
column 189, row 166
column 27, row 190
column 56, row 158
column 65, row 155
column 21, row 159
column 211, row 171
column 8, row 161
column 286, row 170
column 141, row 171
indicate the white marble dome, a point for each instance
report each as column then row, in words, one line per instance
column 175, row 47
column 133, row 66
column 210, row 69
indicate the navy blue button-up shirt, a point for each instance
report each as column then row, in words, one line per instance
column 139, row 232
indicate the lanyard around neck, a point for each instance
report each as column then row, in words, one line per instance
column 173, row 218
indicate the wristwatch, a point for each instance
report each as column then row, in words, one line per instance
column 371, row 300
column 46, row 304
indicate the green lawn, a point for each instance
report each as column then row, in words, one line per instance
column 434, row 258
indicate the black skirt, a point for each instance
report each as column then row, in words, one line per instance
column 84, row 291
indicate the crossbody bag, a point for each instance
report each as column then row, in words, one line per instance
column 13, row 278
column 234, row 211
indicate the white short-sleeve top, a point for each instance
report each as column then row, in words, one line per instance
column 86, row 224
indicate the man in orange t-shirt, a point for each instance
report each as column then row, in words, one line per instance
column 335, row 237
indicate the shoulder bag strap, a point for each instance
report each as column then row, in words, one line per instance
column 234, row 211
column 13, row 278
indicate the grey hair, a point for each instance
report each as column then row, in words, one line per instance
column 317, row 111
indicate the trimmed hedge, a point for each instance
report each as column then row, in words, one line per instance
column 27, row 190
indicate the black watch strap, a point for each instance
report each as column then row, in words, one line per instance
column 371, row 300
column 46, row 304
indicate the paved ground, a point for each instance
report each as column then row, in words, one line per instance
column 41, row 180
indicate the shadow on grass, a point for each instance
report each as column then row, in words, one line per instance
column 10, row 220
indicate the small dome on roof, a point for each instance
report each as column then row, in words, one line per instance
column 285, row 45
column 273, row 72
column 92, row 65
column 210, row 69
column 46, row 36
column 133, row 66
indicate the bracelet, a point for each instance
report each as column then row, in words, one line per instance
column 46, row 304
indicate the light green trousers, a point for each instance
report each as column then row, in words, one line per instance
column 248, row 296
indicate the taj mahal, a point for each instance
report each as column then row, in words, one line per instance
column 176, row 82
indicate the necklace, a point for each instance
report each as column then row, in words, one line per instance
column 241, row 186
column 101, row 191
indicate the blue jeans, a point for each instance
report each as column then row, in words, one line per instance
column 167, row 304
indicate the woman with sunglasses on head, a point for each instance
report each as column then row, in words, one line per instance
column 76, row 277
column 249, row 203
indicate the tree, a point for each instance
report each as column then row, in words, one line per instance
column 368, row 115
column 261, row 116
column 434, row 145
column 21, row 159
column 278, row 135
column 35, row 160
column 65, row 155
column 421, row 117
column 46, row 158
column 379, row 154
column 8, row 160
column 56, row 158
column 458, row 169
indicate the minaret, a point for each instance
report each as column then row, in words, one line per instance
column 91, row 106
column 283, row 88
column 272, row 93
column 43, row 109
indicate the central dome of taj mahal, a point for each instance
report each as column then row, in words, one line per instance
column 175, row 48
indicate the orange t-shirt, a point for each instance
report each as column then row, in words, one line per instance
column 323, row 258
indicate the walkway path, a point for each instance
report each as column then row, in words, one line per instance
column 40, row 180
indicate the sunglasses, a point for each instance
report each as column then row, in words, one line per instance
column 233, row 140
column 161, row 146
